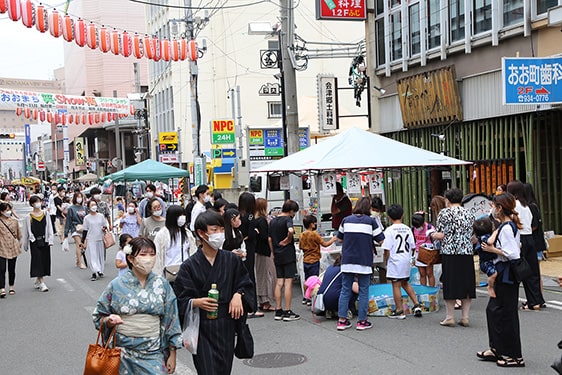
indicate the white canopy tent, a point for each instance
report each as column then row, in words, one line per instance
column 357, row 149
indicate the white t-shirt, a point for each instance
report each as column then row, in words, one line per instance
column 198, row 209
column 399, row 241
column 526, row 218
column 173, row 254
column 122, row 257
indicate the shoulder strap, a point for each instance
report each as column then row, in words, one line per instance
column 6, row 225
column 332, row 281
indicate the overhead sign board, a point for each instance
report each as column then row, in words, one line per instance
column 222, row 132
column 266, row 145
column 168, row 138
column 79, row 151
column 327, row 102
column 532, row 80
column 349, row 10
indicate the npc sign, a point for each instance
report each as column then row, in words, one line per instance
column 532, row 80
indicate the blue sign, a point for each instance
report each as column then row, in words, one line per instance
column 303, row 138
column 228, row 153
column 532, row 80
column 273, row 138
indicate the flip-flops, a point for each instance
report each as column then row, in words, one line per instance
column 510, row 362
column 2, row 293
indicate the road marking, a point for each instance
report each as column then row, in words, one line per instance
column 555, row 305
column 183, row 369
column 66, row 285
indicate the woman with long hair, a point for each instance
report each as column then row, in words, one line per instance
column 38, row 238
column 10, row 248
column 174, row 243
column 501, row 313
column 532, row 285
column 265, row 268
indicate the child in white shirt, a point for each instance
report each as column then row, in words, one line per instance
column 398, row 247
column 121, row 256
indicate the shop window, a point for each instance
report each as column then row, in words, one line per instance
column 415, row 45
column 482, row 14
column 512, row 12
column 456, row 15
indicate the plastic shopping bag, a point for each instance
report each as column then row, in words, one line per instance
column 65, row 245
column 191, row 328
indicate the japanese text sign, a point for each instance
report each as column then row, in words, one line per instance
column 327, row 103
column 532, row 80
column 222, row 132
column 348, row 10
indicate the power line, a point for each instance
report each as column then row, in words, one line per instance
column 200, row 8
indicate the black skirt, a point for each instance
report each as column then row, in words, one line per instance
column 40, row 260
column 458, row 277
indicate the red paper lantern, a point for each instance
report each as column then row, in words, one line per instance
column 103, row 117
column 165, row 49
column 138, row 50
column 41, row 18
column 175, row 50
column 68, row 28
column 97, row 118
column 92, row 36
column 193, row 50
column 3, row 6
column 105, row 40
column 84, row 119
column 19, row 111
column 27, row 13
column 14, row 10
column 42, row 116
column 155, row 43
column 70, row 118
column 35, row 111
column 115, row 42
column 80, row 32
column 49, row 117
column 56, row 117
column 126, row 44
column 91, row 118
column 62, row 118
column 55, row 23
column 148, row 47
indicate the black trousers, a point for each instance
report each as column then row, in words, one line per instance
column 532, row 285
column 11, row 272
column 503, row 319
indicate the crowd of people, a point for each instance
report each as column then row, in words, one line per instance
column 169, row 256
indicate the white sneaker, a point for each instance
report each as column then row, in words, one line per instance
column 36, row 284
column 43, row 287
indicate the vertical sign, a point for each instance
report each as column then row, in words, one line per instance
column 327, row 103
column 199, row 172
column 79, row 152
column 27, row 156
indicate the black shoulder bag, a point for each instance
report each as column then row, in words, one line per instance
column 519, row 267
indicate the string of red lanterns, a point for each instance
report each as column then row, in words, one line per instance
column 96, row 37
column 89, row 118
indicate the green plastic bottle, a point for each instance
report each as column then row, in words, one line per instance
column 214, row 294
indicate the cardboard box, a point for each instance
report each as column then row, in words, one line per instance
column 555, row 245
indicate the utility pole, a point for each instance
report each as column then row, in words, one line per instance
column 239, row 135
column 290, row 93
column 138, row 115
column 193, row 73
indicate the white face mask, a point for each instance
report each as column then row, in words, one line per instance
column 181, row 221
column 207, row 198
column 78, row 200
column 157, row 213
column 149, row 194
column 144, row 264
column 131, row 210
column 8, row 213
column 94, row 208
column 216, row 240
column 97, row 197
column 37, row 205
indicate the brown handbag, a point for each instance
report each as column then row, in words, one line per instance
column 108, row 239
column 429, row 256
column 103, row 360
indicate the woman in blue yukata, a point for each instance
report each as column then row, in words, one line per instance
column 143, row 307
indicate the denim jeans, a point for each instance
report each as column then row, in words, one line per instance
column 346, row 292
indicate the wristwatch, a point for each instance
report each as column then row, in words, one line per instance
column 241, row 292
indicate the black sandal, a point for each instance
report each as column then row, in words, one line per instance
column 488, row 355
column 510, row 362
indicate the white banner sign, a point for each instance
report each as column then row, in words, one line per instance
column 327, row 103
column 12, row 99
column 329, row 184
column 353, row 181
column 376, row 183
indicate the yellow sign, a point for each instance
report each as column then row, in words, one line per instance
column 79, row 151
column 168, row 138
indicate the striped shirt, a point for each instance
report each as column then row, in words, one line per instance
column 358, row 233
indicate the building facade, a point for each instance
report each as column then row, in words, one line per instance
column 416, row 46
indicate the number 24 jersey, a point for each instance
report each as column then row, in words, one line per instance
column 399, row 241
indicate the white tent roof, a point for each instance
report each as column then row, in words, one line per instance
column 358, row 149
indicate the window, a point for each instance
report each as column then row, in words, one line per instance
column 415, row 45
column 274, row 110
column 379, row 7
column 434, row 24
column 543, row 5
column 255, row 184
column 396, row 38
column 482, row 16
column 512, row 12
column 456, row 14
column 381, row 46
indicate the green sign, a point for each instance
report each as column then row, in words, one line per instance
column 223, row 138
column 217, row 153
column 274, row 151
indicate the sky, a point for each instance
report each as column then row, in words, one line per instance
column 27, row 53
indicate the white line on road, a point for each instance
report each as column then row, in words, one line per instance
column 556, row 305
column 66, row 285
